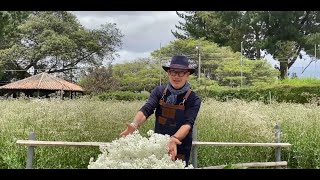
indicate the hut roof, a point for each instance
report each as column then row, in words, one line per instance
column 43, row 81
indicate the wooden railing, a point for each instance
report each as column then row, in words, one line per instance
column 32, row 143
column 277, row 163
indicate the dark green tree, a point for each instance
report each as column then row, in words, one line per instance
column 283, row 34
column 57, row 42
column 9, row 22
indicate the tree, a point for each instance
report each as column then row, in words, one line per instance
column 289, row 34
column 220, row 64
column 57, row 42
column 221, row 27
column 99, row 80
column 282, row 34
column 253, row 73
column 9, row 21
column 142, row 74
column 211, row 54
column 194, row 27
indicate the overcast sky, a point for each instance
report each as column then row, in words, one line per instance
column 143, row 30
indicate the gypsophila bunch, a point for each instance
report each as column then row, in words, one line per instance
column 136, row 152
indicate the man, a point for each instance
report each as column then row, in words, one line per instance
column 176, row 106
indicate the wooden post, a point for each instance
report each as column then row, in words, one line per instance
column 30, row 154
column 270, row 97
column 194, row 149
column 278, row 149
column 61, row 95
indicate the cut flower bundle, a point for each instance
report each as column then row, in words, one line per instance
column 137, row 152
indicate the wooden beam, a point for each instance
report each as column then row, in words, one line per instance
column 197, row 143
column 252, row 164
column 58, row 143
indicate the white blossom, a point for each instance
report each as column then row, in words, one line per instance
column 137, row 152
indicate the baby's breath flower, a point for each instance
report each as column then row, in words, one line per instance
column 136, row 152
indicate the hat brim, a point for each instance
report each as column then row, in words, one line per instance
column 166, row 68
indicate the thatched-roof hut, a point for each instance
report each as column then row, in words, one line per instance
column 42, row 84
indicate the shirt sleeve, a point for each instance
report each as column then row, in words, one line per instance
column 192, row 109
column 153, row 101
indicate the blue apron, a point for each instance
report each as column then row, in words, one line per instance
column 169, row 118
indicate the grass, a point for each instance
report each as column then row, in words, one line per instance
column 93, row 120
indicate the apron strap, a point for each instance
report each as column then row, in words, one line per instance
column 185, row 97
column 164, row 93
column 187, row 94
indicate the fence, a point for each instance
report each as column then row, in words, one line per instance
column 32, row 143
column 278, row 163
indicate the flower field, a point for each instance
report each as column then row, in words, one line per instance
column 86, row 120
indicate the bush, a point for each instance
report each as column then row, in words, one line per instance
column 280, row 93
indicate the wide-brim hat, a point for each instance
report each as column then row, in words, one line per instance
column 179, row 62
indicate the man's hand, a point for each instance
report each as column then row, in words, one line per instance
column 130, row 129
column 173, row 147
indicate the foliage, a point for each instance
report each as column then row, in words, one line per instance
column 139, row 75
column 57, row 42
column 277, row 92
column 9, row 22
column 253, row 72
column 193, row 26
column 99, row 80
column 220, row 27
column 219, row 63
column 282, row 34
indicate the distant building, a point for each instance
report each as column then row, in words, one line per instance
column 41, row 85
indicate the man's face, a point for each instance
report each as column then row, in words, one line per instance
column 178, row 77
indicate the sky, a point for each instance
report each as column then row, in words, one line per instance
column 146, row 31
column 307, row 67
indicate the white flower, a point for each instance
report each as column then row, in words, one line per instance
column 137, row 152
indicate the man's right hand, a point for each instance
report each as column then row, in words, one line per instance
column 130, row 129
column 173, row 147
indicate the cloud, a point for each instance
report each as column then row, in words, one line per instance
column 143, row 31
column 127, row 56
